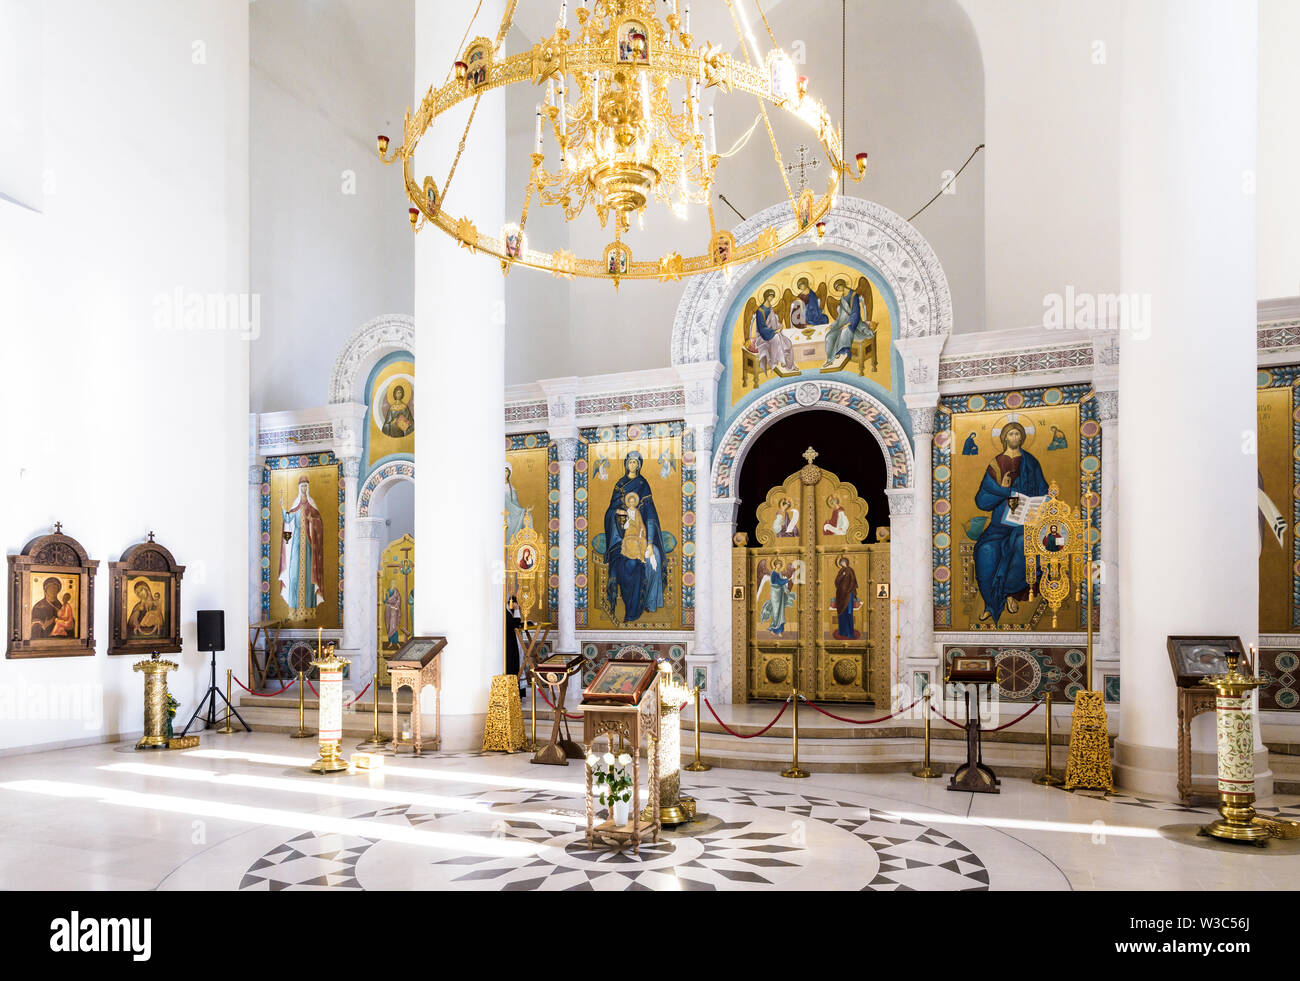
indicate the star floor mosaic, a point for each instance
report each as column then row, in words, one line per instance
column 752, row 839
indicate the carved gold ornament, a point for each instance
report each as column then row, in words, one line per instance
column 620, row 120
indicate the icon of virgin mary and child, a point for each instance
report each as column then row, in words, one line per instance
column 635, row 549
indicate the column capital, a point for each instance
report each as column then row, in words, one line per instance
column 561, row 405
column 351, row 467
column 369, row 529
column 1108, row 406
column 922, row 420
column 255, row 473
column 902, row 500
column 567, row 448
column 921, row 362
column 700, row 391
column 346, row 420
column 723, row 510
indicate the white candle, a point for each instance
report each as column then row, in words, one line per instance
column 564, row 12
column 539, row 128
column 564, row 111
column 713, row 132
column 686, row 21
column 595, row 96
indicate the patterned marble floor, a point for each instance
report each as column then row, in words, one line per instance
column 242, row 813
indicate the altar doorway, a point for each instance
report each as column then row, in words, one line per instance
column 811, row 568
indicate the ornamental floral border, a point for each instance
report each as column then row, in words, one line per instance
column 1288, row 376
column 808, row 394
column 531, row 441
column 377, row 477
column 581, row 470
column 1090, row 464
column 323, row 459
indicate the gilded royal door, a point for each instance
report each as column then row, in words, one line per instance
column 810, row 603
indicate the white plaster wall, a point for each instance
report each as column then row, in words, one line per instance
column 1278, row 269
column 119, row 425
column 330, row 244
column 1052, row 91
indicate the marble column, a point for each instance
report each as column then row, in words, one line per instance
column 567, row 449
column 354, row 610
column 722, row 526
column 709, row 590
column 361, row 620
column 920, row 621
column 1186, row 493
column 700, row 396
column 458, row 548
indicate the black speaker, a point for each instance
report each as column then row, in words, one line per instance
column 212, row 630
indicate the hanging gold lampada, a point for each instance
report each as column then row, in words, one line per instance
column 619, row 127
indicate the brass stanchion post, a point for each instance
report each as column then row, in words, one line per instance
column 303, row 732
column 698, row 766
column 926, row 772
column 794, row 770
column 376, row 740
column 226, row 728
column 1047, row 778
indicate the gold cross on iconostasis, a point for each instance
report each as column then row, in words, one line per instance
column 811, row 455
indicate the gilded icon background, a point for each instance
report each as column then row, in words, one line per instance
column 147, row 610
column 302, row 541
column 818, row 316
column 391, row 425
column 396, row 594
column 56, row 606
column 636, row 530
column 1279, row 442
column 529, row 476
column 993, row 453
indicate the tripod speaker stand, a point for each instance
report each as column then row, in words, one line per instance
column 212, row 638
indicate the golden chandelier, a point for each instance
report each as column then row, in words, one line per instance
column 621, row 105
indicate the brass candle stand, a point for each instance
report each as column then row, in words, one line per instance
column 697, row 765
column 329, row 714
column 1236, row 758
column 155, row 701
column 674, row 809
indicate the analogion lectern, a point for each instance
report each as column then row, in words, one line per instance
column 417, row 663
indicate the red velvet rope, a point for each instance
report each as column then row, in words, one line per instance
column 860, row 722
column 573, row 718
column 752, row 735
column 345, row 704
column 1033, row 708
column 261, row 694
column 945, row 718
column 359, row 694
